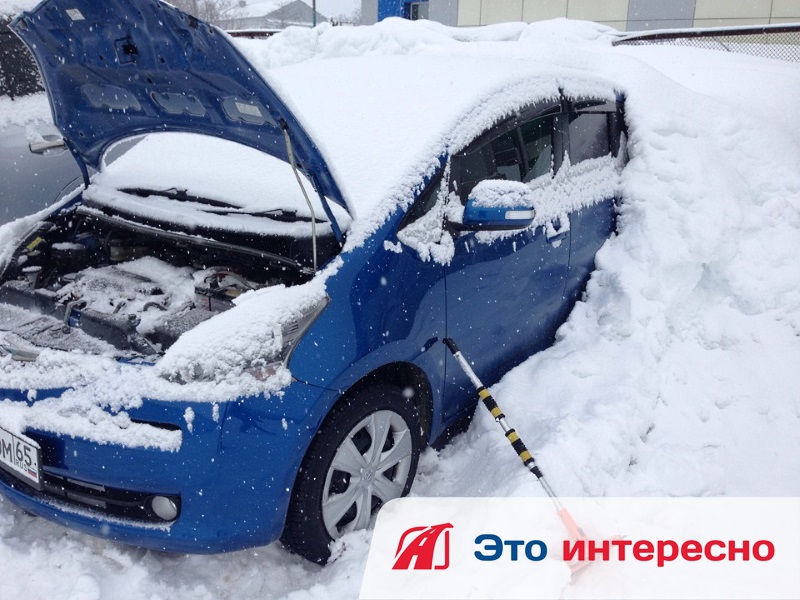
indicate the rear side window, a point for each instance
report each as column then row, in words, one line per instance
column 588, row 136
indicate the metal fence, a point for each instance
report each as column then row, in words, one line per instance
column 781, row 42
column 19, row 75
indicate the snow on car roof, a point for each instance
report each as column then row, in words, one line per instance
column 383, row 121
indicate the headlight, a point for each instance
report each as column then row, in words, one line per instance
column 291, row 333
column 275, row 351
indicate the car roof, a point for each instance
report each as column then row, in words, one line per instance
column 380, row 156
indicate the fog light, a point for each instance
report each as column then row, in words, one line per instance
column 165, row 508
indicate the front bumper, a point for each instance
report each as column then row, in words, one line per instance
column 232, row 475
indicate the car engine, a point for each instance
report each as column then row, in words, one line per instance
column 96, row 284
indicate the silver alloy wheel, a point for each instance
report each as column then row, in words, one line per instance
column 369, row 468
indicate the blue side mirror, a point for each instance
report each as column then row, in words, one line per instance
column 500, row 205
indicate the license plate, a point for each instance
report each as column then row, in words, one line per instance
column 21, row 457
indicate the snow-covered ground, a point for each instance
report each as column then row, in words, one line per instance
column 676, row 375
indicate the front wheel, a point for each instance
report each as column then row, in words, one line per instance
column 364, row 454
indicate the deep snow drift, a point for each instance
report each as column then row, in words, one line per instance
column 677, row 374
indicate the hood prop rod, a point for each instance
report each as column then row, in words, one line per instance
column 290, row 152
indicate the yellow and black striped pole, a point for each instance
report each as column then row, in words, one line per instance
column 491, row 405
column 519, row 447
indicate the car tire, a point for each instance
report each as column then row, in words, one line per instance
column 344, row 472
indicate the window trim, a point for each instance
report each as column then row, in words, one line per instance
column 418, row 4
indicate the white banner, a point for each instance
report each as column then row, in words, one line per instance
column 694, row 548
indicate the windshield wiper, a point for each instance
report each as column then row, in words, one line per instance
column 276, row 214
column 179, row 195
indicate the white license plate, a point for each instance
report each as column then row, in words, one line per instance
column 21, row 457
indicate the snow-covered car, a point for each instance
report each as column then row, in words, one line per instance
column 234, row 333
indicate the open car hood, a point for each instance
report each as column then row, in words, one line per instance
column 119, row 68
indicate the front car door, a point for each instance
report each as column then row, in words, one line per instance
column 506, row 292
column 505, row 288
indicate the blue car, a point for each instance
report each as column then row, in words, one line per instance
column 222, row 341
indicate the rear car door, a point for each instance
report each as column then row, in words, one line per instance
column 594, row 148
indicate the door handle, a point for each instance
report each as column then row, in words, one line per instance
column 555, row 232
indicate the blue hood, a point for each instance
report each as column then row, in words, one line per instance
column 118, row 68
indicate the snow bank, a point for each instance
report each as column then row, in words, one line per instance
column 395, row 36
column 676, row 375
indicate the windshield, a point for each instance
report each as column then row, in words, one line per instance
column 198, row 182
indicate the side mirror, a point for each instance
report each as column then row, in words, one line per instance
column 50, row 145
column 500, row 205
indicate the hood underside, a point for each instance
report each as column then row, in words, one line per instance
column 120, row 68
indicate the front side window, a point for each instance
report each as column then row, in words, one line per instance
column 537, row 146
column 497, row 159
column 506, row 157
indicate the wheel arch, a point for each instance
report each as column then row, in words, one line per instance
column 407, row 376
column 407, row 395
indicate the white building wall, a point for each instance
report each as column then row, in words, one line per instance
column 469, row 13
column 501, row 12
column 609, row 12
column 716, row 13
column 621, row 14
column 785, row 11
column 536, row 10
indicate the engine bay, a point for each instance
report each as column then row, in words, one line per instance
column 86, row 281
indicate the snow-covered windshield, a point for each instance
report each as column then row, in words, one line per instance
column 196, row 181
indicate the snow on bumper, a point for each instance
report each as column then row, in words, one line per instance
column 230, row 478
